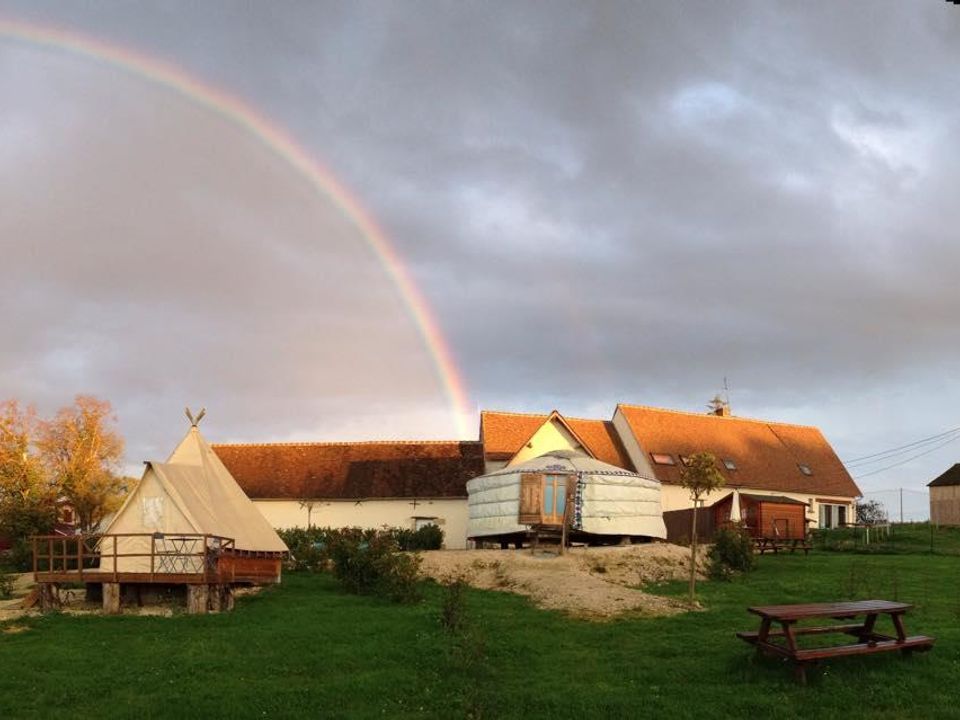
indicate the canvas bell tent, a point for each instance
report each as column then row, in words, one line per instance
column 187, row 513
column 599, row 501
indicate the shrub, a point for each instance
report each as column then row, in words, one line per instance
column 732, row 552
column 429, row 537
column 310, row 548
column 370, row 562
column 6, row 585
column 453, row 605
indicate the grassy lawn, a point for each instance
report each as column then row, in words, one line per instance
column 306, row 649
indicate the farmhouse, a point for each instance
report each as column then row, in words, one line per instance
column 945, row 497
column 363, row 484
column 412, row 483
column 757, row 457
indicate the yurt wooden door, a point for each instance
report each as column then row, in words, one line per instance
column 543, row 499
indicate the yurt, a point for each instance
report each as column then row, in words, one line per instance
column 181, row 510
column 599, row 501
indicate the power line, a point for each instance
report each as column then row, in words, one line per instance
column 912, row 457
column 900, row 449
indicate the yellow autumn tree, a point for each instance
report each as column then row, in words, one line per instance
column 27, row 498
column 82, row 452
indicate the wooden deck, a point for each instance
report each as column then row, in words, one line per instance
column 172, row 559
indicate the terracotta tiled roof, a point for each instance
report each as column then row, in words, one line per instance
column 353, row 470
column 950, row 477
column 767, row 454
column 504, row 433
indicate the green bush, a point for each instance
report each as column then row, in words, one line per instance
column 429, row 537
column 310, row 547
column 370, row 562
column 732, row 552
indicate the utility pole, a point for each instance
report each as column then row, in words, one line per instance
column 901, row 506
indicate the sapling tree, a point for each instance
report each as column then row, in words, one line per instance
column 700, row 476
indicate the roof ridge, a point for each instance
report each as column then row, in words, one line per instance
column 541, row 415
column 345, row 442
column 718, row 417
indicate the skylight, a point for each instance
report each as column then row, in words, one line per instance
column 729, row 464
column 805, row 469
column 662, row 459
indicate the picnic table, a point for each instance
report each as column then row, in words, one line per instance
column 868, row 640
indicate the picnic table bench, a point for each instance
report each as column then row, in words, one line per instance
column 775, row 545
column 868, row 640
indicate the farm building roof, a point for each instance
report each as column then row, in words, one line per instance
column 766, row 455
column 353, row 470
column 504, row 433
column 950, row 477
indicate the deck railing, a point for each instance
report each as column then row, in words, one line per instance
column 81, row 558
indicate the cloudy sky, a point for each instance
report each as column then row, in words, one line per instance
column 600, row 203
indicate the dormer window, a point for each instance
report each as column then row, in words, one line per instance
column 662, row 459
column 729, row 464
column 805, row 469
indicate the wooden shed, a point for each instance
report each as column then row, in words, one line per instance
column 764, row 516
column 945, row 497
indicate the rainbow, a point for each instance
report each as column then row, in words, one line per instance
column 279, row 142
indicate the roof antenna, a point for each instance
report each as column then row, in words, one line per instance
column 194, row 421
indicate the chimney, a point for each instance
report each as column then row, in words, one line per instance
column 719, row 407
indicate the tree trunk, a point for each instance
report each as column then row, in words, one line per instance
column 693, row 554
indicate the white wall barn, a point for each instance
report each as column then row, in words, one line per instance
column 360, row 484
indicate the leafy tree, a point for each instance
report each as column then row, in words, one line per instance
column 27, row 498
column 700, row 476
column 871, row 512
column 82, row 452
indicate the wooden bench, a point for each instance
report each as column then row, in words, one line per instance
column 868, row 640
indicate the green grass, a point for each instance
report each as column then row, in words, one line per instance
column 306, row 650
column 907, row 538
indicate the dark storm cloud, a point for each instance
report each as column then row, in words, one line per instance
column 610, row 202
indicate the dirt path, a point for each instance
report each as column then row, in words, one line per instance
column 586, row 582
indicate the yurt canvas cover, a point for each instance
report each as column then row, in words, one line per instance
column 606, row 500
column 191, row 493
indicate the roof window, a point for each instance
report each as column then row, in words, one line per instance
column 805, row 469
column 729, row 464
column 662, row 459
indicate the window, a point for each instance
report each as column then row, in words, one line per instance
column 662, row 459
column 805, row 469
column 729, row 464
column 832, row 516
column 554, row 498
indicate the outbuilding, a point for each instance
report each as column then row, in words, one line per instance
column 945, row 497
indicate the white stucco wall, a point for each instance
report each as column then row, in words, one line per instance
column 451, row 514
column 551, row 436
column 675, row 497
